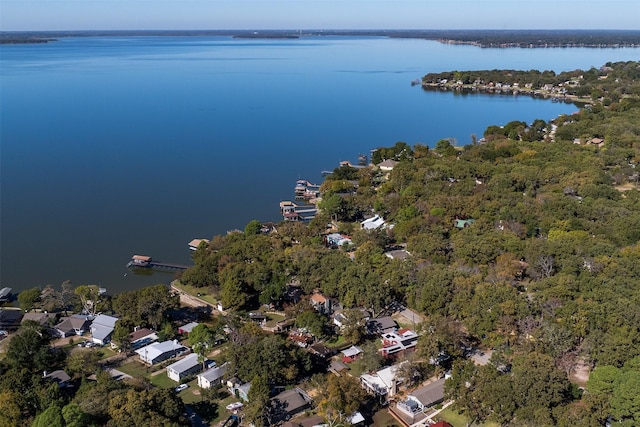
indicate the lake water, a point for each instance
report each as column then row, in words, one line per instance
column 112, row 146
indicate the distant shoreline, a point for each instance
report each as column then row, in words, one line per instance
column 479, row 38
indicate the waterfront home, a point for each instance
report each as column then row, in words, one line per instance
column 10, row 319
column 102, row 328
column 5, row 294
column 44, row 319
column 185, row 367
column 387, row 165
column 195, row 243
column 213, row 376
column 160, row 351
column 76, row 324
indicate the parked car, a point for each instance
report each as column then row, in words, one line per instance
column 181, row 387
column 234, row 406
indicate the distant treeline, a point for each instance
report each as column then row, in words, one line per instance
column 482, row 38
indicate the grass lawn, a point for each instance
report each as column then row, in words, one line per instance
column 106, row 352
column 457, row 419
column 135, row 369
column 383, row 418
column 336, row 343
column 163, row 381
column 197, row 292
column 273, row 319
column 211, row 412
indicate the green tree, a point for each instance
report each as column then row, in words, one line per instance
column 252, row 228
column 90, row 298
column 51, row 417
column 73, row 416
column 256, row 410
column 28, row 298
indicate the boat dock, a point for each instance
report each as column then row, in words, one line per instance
column 5, row 294
column 143, row 261
column 292, row 211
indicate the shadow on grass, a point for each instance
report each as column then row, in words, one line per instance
column 206, row 410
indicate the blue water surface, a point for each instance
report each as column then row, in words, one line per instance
column 112, row 146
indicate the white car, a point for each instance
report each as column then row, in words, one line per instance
column 181, row 387
column 234, row 406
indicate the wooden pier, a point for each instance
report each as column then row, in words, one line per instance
column 143, row 261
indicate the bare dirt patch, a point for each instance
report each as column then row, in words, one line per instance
column 580, row 373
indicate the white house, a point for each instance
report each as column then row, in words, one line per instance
column 185, row 367
column 387, row 165
column 398, row 341
column 212, row 376
column 160, row 351
column 384, row 383
column 372, row 223
column 102, row 327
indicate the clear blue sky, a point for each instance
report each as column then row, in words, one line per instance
column 318, row 14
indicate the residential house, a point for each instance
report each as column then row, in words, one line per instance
column 10, row 319
column 428, row 395
column 160, row 351
column 259, row 318
column 337, row 367
column 239, row 389
column 44, row 319
column 186, row 329
column 321, row 351
column 213, row 376
column 350, row 354
column 102, row 328
column 193, row 245
column 381, row 325
column 321, row 303
column 288, row 403
column 336, row 239
column 372, row 223
column 398, row 342
column 59, row 376
column 341, row 318
column 141, row 337
column 411, row 410
column 384, row 383
column 76, row 324
column 387, row 165
column 184, row 367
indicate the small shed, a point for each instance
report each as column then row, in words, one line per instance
column 350, row 354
